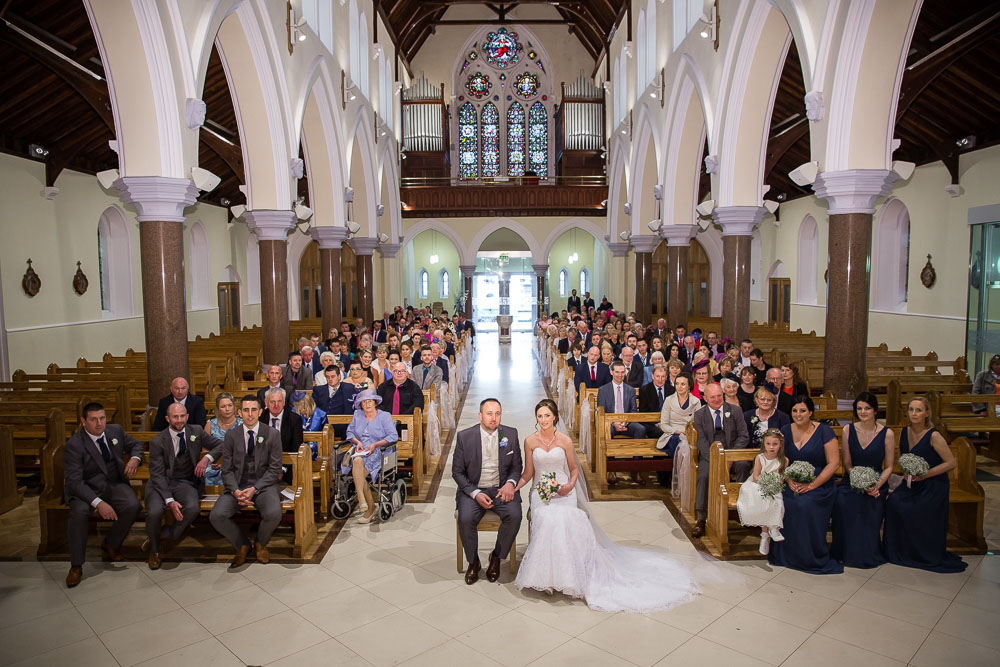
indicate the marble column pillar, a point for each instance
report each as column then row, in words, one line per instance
column 468, row 271
column 160, row 202
column 678, row 239
column 363, row 249
column 271, row 228
column 644, row 246
column 330, row 239
column 851, row 196
column 541, row 270
column 738, row 223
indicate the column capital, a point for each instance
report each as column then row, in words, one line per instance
column 363, row 245
column 618, row 249
column 678, row 235
column 270, row 225
column 738, row 220
column 540, row 269
column 645, row 242
column 158, row 198
column 853, row 190
column 329, row 237
column 468, row 270
column 389, row 250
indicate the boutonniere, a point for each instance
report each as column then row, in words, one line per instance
column 114, row 441
column 727, row 415
column 193, row 438
column 504, row 442
column 260, row 439
column 753, row 420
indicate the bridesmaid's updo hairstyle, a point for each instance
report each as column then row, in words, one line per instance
column 805, row 400
column 865, row 397
column 551, row 405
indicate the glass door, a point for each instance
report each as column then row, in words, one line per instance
column 983, row 323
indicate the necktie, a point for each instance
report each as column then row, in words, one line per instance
column 593, row 374
column 105, row 451
column 659, row 393
column 181, row 447
column 395, row 401
column 251, row 441
column 619, row 403
column 718, row 421
column 274, row 422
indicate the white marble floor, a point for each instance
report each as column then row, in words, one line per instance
column 390, row 594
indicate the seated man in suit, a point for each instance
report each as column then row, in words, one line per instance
column 296, row 377
column 715, row 421
column 274, row 374
column 437, row 351
column 651, row 397
column 402, row 395
column 378, row 333
column 643, row 353
column 566, row 344
column 593, row 372
column 427, row 373
column 310, row 360
column 341, row 357
column 773, row 377
column 279, row 416
column 96, row 477
column 251, row 473
column 688, row 350
column 336, row 397
column 634, row 372
column 179, row 393
column 618, row 397
column 176, row 479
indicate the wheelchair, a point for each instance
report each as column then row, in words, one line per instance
column 389, row 492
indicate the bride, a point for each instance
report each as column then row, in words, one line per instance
column 568, row 551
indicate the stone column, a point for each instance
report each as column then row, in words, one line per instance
column 678, row 244
column 468, row 271
column 851, row 196
column 617, row 276
column 363, row 248
column 272, row 229
column 644, row 245
column 540, row 272
column 738, row 223
column 392, row 279
column 160, row 202
column 330, row 239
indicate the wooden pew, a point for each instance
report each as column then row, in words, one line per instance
column 322, row 474
column 11, row 494
column 615, row 454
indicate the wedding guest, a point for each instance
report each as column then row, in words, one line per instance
column 987, row 382
column 313, row 418
column 402, row 395
column 325, row 359
column 729, row 388
column 783, row 400
column 357, row 377
column 791, row 383
column 369, row 431
column 296, row 377
column 224, row 421
column 764, row 415
column 593, row 372
column 702, row 379
column 715, row 423
column 678, row 410
column 725, row 367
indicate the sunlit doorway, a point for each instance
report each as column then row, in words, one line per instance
column 486, row 303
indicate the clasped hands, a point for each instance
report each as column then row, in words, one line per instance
column 505, row 494
column 799, row 488
column 245, row 496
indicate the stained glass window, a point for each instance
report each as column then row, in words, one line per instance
column 515, row 140
column 538, row 139
column 468, row 142
column 526, row 85
column 478, row 85
column 490, row 128
column 502, row 49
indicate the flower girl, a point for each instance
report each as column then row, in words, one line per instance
column 759, row 502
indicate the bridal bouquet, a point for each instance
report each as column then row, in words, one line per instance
column 801, row 472
column 913, row 466
column 769, row 484
column 863, row 479
column 547, row 486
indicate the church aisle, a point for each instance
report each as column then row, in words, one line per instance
column 390, row 594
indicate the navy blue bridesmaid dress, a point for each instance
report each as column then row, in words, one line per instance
column 916, row 518
column 857, row 517
column 807, row 516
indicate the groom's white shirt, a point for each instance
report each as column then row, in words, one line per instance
column 489, row 475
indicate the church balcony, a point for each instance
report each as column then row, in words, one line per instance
column 503, row 196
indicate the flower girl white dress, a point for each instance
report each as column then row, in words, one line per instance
column 756, row 510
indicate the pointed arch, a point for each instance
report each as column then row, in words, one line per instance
column 114, row 246
column 465, row 256
column 200, row 263
column 512, row 225
column 807, row 261
column 645, row 168
column 362, row 175
column 891, row 257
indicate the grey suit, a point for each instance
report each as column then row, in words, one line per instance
column 734, row 436
column 606, row 400
column 466, row 469
column 266, row 475
column 425, row 377
column 164, row 485
column 89, row 477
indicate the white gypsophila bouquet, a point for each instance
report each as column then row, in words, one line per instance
column 863, row 478
column 913, row 466
column 547, row 486
column 801, row 472
column 769, row 484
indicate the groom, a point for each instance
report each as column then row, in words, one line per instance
column 486, row 467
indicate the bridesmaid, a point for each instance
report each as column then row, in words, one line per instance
column 916, row 517
column 807, row 515
column 857, row 518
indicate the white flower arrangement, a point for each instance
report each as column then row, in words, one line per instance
column 547, row 486
column 913, row 466
column 801, row 472
column 769, row 484
column 863, row 479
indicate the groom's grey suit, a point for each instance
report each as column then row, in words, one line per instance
column 467, row 467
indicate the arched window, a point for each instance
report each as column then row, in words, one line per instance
column 468, row 143
column 538, row 140
column 253, row 270
column 515, row 139
column 385, row 106
column 619, row 85
column 353, row 25
column 650, row 27
column 807, row 261
column 444, row 283
column 640, row 53
column 891, row 257
column 686, row 15
column 201, row 265
column 584, row 281
column 114, row 260
column 489, row 128
column 363, row 55
column 563, row 279
column 422, row 280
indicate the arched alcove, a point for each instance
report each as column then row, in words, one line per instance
column 253, row 270
column 433, row 253
column 199, row 263
column 807, row 260
column 891, row 257
column 114, row 248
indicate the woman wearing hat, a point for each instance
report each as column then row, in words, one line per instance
column 369, row 431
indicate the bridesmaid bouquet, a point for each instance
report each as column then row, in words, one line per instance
column 913, row 466
column 863, row 479
column 547, row 486
column 769, row 484
column 800, row 472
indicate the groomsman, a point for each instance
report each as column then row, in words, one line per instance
column 716, row 422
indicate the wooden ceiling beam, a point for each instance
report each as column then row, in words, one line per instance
column 780, row 144
column 231, row 154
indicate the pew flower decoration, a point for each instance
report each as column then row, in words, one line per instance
column 913, row 466
column 547, row 487
column 769, row 484
column 863, row 479
column 800, row 472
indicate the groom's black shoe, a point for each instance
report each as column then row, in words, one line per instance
column 493, row 571
column 699, row 529
column 472, row 574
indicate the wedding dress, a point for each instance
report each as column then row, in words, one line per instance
column 568, row 552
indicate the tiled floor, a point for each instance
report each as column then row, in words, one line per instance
column 390, row 594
